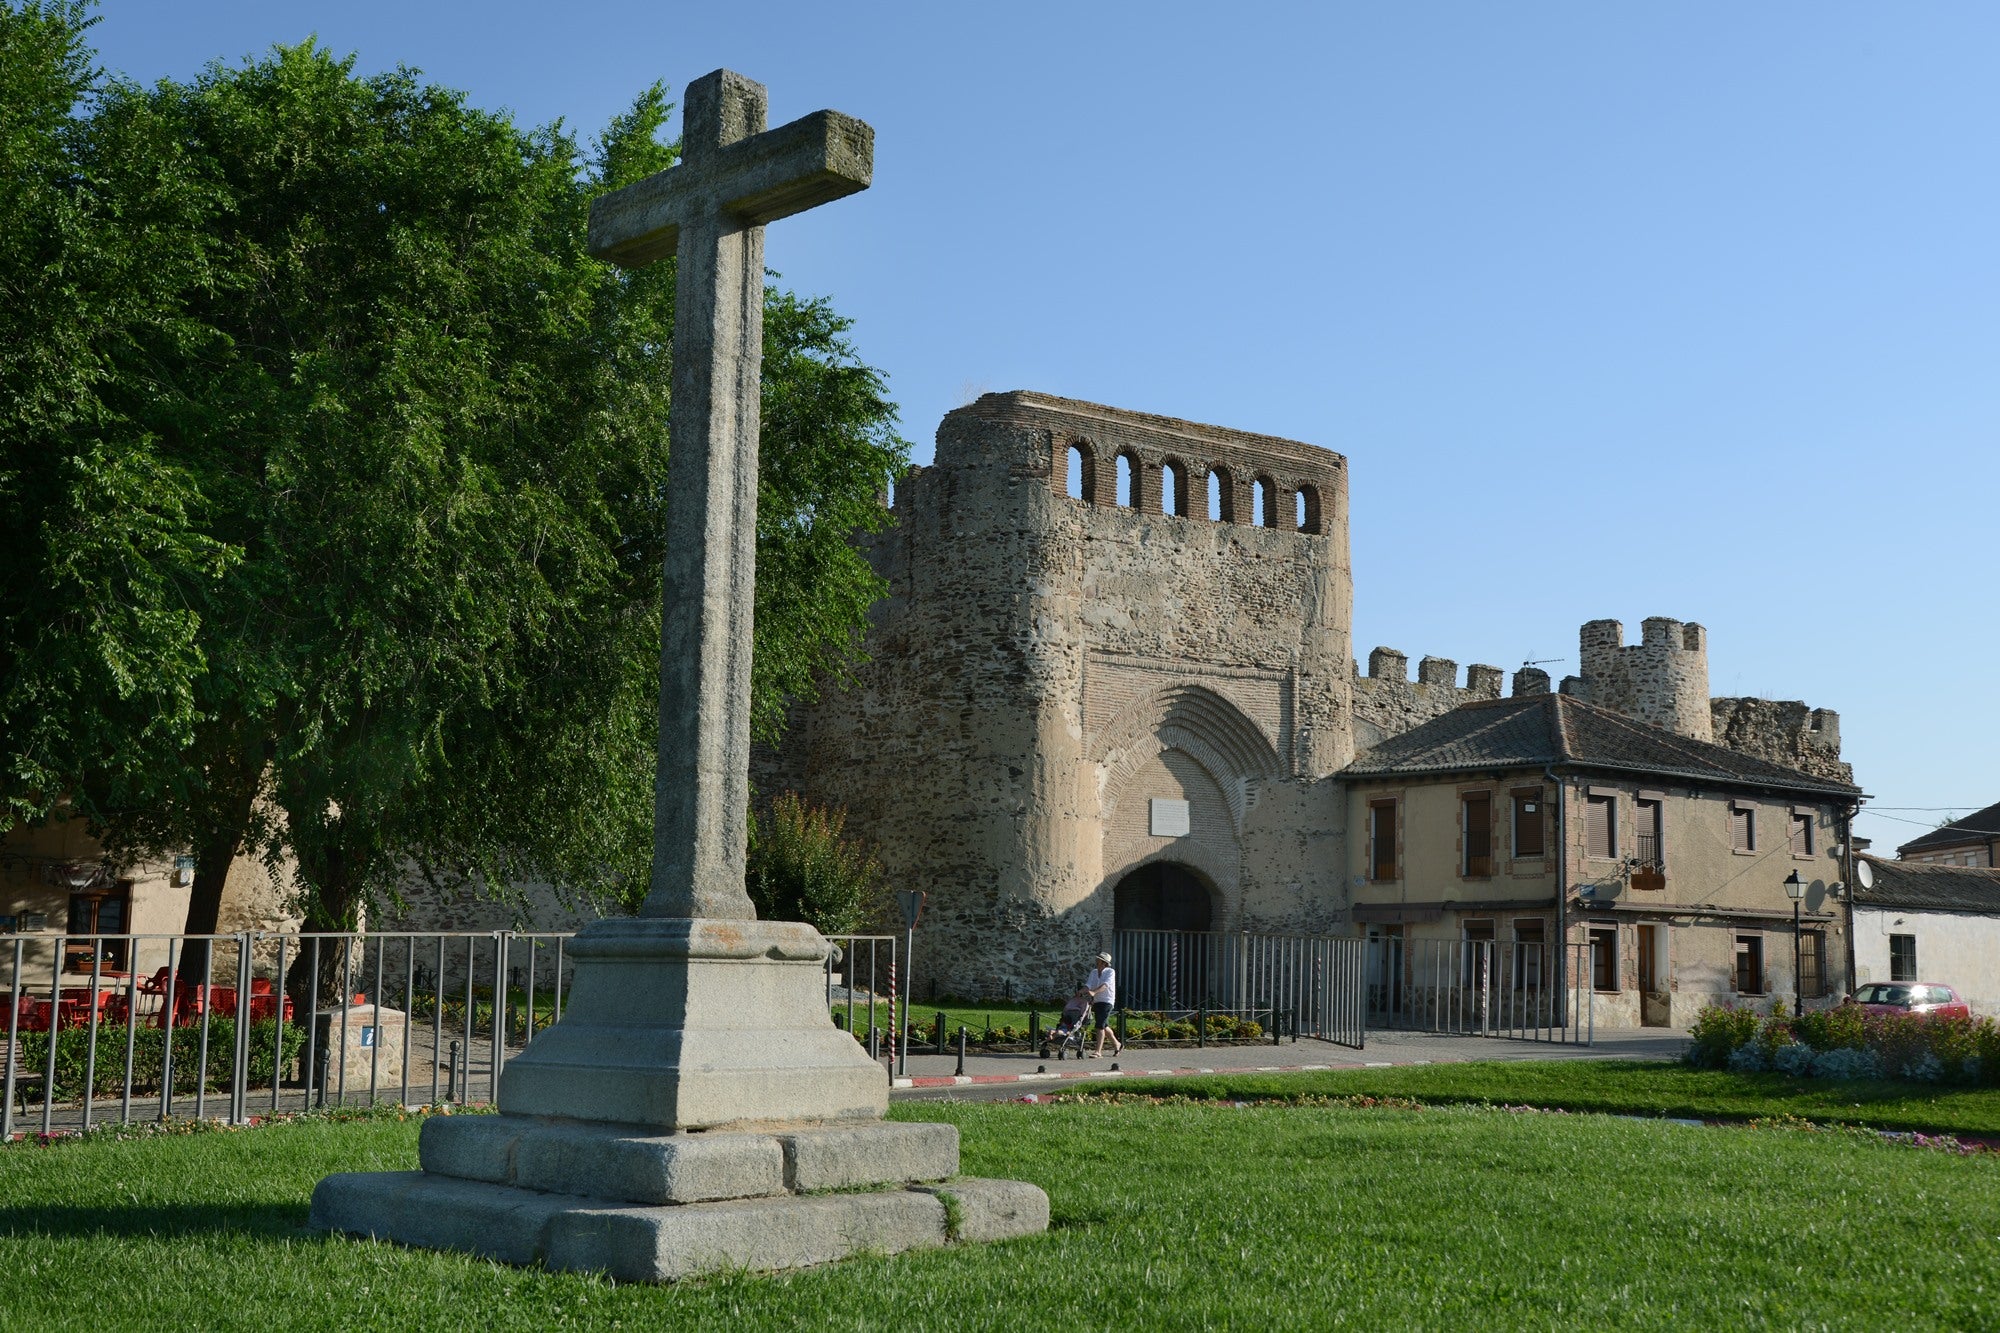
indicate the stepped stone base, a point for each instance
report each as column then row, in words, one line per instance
column 694, row 1111
column 662, row 1243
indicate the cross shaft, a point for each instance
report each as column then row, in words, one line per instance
column 709, row 211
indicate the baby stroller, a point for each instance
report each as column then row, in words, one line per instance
column 1068, row 1034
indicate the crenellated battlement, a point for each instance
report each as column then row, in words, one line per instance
column 1387, row 702
column 1662, row 679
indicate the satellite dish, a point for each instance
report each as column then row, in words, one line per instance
column 1864, row 874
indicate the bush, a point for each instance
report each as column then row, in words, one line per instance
column 1718, row 1033
column 1749, row 1058
column 1846, row 1042
column 1843, row 1027
column 1846, row 1062
column 149, row 1047
column 802, row 867
column 1794, row 1058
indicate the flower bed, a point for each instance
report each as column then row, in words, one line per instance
column 1848, row 1043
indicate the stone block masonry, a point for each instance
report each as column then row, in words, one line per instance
column 1046, row 664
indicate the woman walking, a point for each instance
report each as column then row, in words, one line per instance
column 1102, row 983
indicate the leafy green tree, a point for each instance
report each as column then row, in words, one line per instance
column 804, row 867
column 416, row 441
column 99, row 536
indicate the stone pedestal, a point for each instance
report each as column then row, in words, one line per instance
column 363, row 1041
column 694, row 1024
column 694, row 1110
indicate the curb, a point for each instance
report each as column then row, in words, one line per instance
column 964, row 1080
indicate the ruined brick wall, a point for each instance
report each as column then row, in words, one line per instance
column 1784, row 731
column 1045, row 667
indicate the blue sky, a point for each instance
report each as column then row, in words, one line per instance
column 1616, row 310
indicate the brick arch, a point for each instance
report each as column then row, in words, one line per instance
column 1183, row 484
column 1199, row 723
column 1220, row 880
column 1313, row 523
column 1087, row 457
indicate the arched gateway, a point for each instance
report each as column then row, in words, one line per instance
column 1163, row 895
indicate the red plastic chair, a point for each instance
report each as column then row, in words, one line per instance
column 33, row 1014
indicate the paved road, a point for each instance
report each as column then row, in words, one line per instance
column 985, row 1075
column 1012, row 1075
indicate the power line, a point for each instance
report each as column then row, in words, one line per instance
column 1936, row 828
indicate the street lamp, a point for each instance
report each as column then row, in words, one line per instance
column 1795, row 889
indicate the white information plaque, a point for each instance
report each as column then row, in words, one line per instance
column 1170, row 818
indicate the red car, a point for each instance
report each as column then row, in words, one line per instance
column 1911, row 997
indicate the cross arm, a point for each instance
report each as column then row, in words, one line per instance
column 813, row 160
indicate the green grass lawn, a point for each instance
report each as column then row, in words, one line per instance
column 1165, row 1216
column 1623, row 1087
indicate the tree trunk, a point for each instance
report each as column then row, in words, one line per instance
column 330, row 905
column 215, row 851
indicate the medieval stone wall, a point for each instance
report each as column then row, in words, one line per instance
column 1662, row 679
column 1387, row 703
column 1784, row 731
column 1047, row 666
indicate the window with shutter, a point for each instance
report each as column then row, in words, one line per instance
column 1604, row 958
column 1600, row 828
column 1802, row 828
column 1528, row 822
column 1750, row 964
column 1477, row 808
column 1742, row 828
column 1382, row 840
column 1528, row 941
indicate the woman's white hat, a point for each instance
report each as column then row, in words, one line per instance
column 1104, row 958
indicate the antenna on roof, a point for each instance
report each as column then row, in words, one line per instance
column 1544, row 661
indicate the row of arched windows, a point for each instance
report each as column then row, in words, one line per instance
column 1179, row 487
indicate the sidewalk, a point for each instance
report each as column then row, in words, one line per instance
column 928, row 1071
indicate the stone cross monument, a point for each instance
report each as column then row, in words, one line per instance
column 710, row 211
column 695, row 1016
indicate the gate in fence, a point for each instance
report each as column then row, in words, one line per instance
column 1486, row 988
column 1338, row 989
column 1311, row 983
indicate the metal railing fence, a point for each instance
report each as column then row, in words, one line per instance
column 242, row 1025
column 857, row 971
column 236, row 1026
column 1314, row 979
column 1525, row 991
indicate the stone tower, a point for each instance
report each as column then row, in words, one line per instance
column 1079, row 712
column 1662, row 679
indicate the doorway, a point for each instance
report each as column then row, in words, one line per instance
column 1162, row 895
column 1655, row 1004
column 98, row 912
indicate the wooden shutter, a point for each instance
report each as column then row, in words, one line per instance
column 1478, row 834
column 1742, row 834
column 1528, row 823
column 1382, row 840
column 1597, row 828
